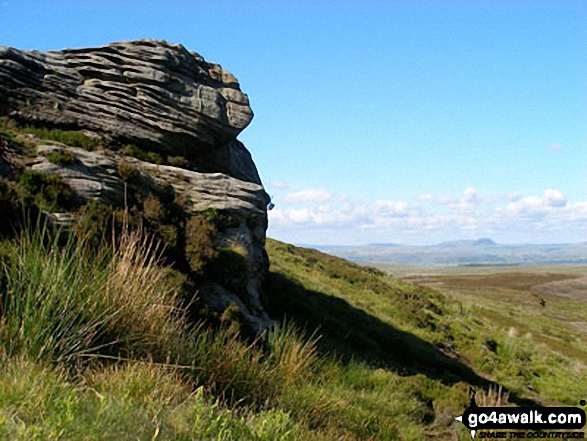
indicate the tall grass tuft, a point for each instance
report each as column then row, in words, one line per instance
column 49, row 306
column 494, row 397
column 69, row 305
column 231, row 369
column 144, row 299
column 63, row 304
column 294, row 356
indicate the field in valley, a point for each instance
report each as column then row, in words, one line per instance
column 542, row 304
column 403, row 271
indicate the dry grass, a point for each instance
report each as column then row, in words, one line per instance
column 573, row 289
column 294, row 357
column 65, row 303
column 513, row 281
column 139, row 290
column 493, row 397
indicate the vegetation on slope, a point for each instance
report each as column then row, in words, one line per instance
column 542, row 317
column 97, row 346
column 25, row 136
column 110, row 350
column 440, row 340
column 98, row 340
column 94, row 344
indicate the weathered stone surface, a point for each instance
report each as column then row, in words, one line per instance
column 162, row 98
column 220, row 298
column 94, row 176
column 7, row 161
column 151, row 93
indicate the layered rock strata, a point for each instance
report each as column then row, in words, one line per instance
column 161, row 98
column 150, row 93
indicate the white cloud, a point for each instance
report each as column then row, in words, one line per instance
column 554, row 198
column 390, row 208
column 469, row 200
column 578, row 212
column 276, row 185
column 554, row 148
column 528, row 209
column 306, row 196
column 322, row 216
column 533, row 206
column 472, row 214
column 425, row 197
column 470, row 195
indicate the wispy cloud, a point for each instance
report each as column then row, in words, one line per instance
column 553, row 148
column 468, row 200
column 471, row 214
column 306, row 196
column 425, row 197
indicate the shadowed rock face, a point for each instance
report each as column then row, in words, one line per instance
column 162, row 98
column 150, row 93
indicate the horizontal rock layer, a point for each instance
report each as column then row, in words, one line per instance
column 94, row 176
column 163, row 99
column 151, row 93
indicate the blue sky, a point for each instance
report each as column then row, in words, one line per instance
column 382, row 121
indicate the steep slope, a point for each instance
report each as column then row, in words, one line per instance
column 365, row 314
column 394, row 360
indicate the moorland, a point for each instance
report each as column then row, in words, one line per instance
column 111, row 238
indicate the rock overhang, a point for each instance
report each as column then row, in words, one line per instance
column 165, row 99
column 148, row 92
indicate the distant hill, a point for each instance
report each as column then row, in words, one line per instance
column 462, row 243
column 384, row 245
column 482, row 251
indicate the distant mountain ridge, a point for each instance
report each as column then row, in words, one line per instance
column 458, row 243
column 483, row 251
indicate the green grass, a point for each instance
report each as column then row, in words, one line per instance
column 126, row 401
column 61, row 157
column 70, row 138
column 542, row 342
column 73, row 138
column 48, row 192
column 95, row 344
column 62, row 303
column 383, row 319
column 442, row 339
column 136, row 152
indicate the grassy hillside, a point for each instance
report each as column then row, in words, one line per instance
column 496, row 334
column 94, row 344
column 545, row 308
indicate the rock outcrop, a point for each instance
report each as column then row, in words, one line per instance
column 162, row 99
column 149, row 93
